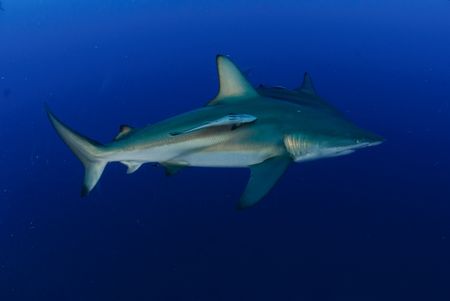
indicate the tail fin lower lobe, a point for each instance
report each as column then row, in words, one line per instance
column 90, row 152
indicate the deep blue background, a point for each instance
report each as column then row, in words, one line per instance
column 374, row 225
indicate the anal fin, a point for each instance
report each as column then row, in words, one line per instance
column 262, row 178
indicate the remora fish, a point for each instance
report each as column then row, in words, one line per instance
column 264, row 129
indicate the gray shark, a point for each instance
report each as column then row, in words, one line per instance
column 262, row 128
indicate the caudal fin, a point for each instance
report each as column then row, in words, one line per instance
column 90, row 152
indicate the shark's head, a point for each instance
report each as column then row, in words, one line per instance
column 350, row 141
column 305, row 146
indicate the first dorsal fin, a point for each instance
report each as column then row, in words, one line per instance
column 123, row 131
column 307, row 85
column 233, row 86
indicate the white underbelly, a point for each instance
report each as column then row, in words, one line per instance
column 217, row 152
column 223, row 159
column 198, row 156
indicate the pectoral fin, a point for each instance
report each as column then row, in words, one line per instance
column 233, row 120
column 262, row 178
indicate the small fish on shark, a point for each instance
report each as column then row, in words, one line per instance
column 261, row 128
column 232, row 119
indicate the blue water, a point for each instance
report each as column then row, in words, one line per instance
column 374, row 225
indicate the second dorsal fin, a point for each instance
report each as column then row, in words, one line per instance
column 124, row 130
column 307, row 86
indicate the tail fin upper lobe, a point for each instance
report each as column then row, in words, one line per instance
column 90, row 152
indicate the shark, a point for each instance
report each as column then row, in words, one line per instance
column 263, row 128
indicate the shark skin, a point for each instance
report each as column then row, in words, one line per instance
column 263, row 128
